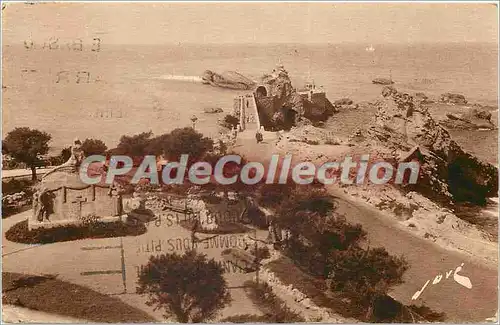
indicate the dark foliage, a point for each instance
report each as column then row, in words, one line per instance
column 229, row 122
column 274, row 309
column 65, row 154
column 93, row 147
column 25, row 145
column 61, row 158
column 325, row 245
column 308, row 213
column 365, row 276
column 186, row 141
column 17, row 185
column 20, row 233
column 156, row 145
column 51, row 295
column 261, row 252
column 134, row 146
column 189, row 286
column 257, row 218
column 272, row 195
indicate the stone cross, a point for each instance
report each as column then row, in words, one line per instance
column 78, row 200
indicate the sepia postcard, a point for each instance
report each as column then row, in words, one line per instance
column 249, row 162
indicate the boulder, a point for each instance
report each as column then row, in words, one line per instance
column 454, row 99
column 228, row 79
column 422, row 98
column 474, row 119
column 344, row 104
column 382, row 81
column 213, row 110
column 447, row 172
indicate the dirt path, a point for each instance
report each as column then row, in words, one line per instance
column 427, row 260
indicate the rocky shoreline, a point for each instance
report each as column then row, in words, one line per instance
column 402, row 129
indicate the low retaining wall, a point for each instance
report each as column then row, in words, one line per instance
column 321, row 314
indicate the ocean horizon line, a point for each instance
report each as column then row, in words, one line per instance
column 262, row 44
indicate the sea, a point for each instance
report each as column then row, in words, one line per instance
column 128, row 89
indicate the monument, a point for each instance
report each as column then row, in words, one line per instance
column 63, row 199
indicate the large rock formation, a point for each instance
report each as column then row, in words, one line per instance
column 474, row 119
column 228, row 79
column 344, row 104
column 454, row 99
column 447, row 172
column 281, row 106
column 382, row 81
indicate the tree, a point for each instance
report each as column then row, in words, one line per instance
column 26, row 145
column 65, row 154
column 229, row 122
column 135, row 145
column 61, row 158
column 272, row 195
column 156, row 144
column 365, row 275
column 315, row 229
column 188, row 286
column 186, row 141
column 93, row 147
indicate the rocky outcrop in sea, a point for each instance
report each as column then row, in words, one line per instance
column 473, row 119
column 451, row 98
column 281, row 105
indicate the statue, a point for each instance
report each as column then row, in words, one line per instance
column 42, row 204
column 74, row 161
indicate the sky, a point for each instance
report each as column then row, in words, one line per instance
column 160, row 23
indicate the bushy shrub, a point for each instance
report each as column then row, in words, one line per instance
column 189, row 286
column 20, row 233
column 256, row 218
column 93, row 147
column 272, row 306
column 272, row 195
column 229, row 122
column 17, row 185
column 325, row 245
column 365, row 275
column 261, row 252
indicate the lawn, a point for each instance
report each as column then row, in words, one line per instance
column 50, row 295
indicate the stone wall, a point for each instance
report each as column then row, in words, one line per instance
column 314, row 313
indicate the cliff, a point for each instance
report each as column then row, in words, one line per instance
column 448, row 173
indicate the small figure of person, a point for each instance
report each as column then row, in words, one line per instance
column 258, row 136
